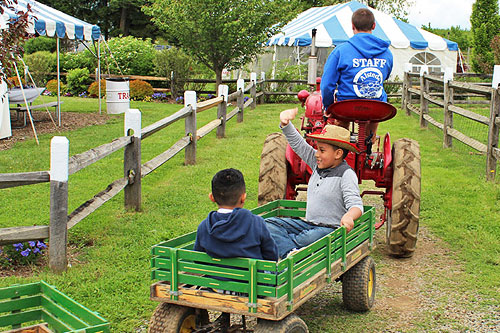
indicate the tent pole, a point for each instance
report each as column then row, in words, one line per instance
column 99, row 71
column 58, row 86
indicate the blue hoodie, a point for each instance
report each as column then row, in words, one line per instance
column 357, row 69
column 236, row 234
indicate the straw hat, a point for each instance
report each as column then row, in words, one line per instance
column 335, row 135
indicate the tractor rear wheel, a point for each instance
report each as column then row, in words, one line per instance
column 273, row 169
column 403, row 219
column 358, row 285
column 171, row 318
column 291, row 324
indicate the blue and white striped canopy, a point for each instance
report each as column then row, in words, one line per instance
column 333, row 24
column 47, row 21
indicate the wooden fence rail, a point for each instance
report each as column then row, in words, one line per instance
column 62, row 166
column 448, row 86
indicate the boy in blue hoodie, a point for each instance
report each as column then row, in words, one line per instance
column 358, row 68
column 233, row 231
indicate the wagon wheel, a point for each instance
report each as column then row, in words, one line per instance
column 273, row 169
column 358, row 285
column 402, row 220
column 170, row 318
column 291, row 324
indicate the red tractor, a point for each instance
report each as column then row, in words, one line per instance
column 396, row 171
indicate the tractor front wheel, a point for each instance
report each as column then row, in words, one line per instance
column 291, row 324
column 273, row 169
column 170, row 318
column 403, row 219
column 358, row 285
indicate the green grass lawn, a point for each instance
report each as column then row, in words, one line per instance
column 110, row 248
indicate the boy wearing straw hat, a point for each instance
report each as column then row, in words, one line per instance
column 333, row 198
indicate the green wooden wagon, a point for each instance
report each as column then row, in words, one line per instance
column 190, row 281
column 41, row 308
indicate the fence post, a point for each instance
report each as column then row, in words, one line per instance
column 58, row 230
column 494, row 127
column 448, row 115
column 253, row 89
column 406, row 95
column 190, row 125
column 424, row 89
column 222, row 111
column 262, row 81
column 240, row 86
column 132, row 160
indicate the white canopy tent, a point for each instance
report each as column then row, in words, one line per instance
column 47, row 21
column 409, row 44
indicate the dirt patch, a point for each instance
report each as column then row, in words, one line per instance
column 43, row 125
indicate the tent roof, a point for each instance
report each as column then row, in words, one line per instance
column 333, row 24
column 51, row 22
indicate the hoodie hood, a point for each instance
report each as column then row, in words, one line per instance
column 224, row 228
column 368, row 45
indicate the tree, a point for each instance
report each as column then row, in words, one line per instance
column 114, row 17
column 485, row 24
column 12, row 38
column 456, row 34
column 221, row 34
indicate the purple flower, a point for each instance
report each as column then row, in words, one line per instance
column 32, row 243
column 18, row 246
column 245, row 99
column 36, row 250
column 25, row 253
column 41, row 245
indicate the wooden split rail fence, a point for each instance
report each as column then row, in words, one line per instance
column 421, row 88
column 61, row 167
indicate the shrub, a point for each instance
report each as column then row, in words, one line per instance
column 40, row 43
column 77, row 80
column 40, row 64
column 134, row 56
column 14, row 82
column 52, row 87
column 26, row 253
column 175, row 60
column 94, row 88
column 140, row 89
column 284, row 71
column 83, row 59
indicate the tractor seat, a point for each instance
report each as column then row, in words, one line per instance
column 361, row 110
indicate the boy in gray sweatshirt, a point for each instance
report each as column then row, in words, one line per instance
column 333, row 198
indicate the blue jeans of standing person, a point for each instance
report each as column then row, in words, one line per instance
column 289, row 233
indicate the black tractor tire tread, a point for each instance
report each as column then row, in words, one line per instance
column 406, row 187
column 167, row 318
column 273, row 169
column 292, row 323
column 355, row 284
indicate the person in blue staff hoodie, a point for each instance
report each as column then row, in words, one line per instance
column 358, row 68
column 233, row 231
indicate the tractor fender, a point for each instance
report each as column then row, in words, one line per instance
column 293, row 160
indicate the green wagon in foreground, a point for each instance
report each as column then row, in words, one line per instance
column 191, row 282
column 41, row 308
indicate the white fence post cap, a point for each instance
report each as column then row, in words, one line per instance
column 133, row 122
column 240, row 84
column 223, row 91
column 59, row 156
column 496, row 77
column 190, row 99
column 408, row 67
column 448, row 74
column 424, row 70
column 253, row 77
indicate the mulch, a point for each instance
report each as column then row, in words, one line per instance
column 43, row 125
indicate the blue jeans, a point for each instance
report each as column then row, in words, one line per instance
column 289, row 233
